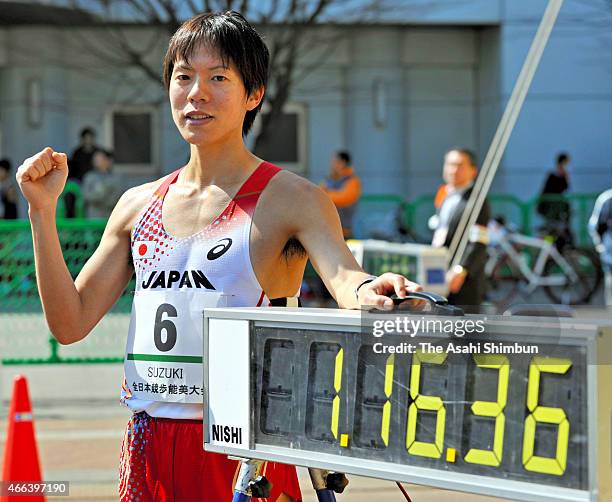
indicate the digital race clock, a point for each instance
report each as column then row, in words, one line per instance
column 516, row 407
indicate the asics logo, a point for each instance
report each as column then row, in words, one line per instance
column 220, row 249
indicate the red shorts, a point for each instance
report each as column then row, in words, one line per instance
column 162, row 460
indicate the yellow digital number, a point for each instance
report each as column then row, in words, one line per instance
column 493, row 410
column 337, row 387
column 544, row 414
column 420, row 402
column 386, row 417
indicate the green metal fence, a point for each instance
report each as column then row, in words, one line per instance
column 25, row 339
column 74, row 189
column 523, row 214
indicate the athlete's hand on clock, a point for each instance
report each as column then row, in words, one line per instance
column 378, row 291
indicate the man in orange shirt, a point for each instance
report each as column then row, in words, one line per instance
column 344, row 188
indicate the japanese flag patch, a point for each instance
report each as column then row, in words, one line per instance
column 143, row 249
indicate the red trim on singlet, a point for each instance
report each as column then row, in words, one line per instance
column 258, row 180
column 163, row 188
column 247, row 196
column 261, row 298
column 253, row 185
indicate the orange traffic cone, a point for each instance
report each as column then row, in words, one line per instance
column 20, row 453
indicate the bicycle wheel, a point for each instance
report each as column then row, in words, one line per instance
column 587, row 266
column 503, row 283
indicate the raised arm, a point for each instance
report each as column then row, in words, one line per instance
column 73, row 308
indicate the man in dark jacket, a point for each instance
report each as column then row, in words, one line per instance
column 556, row 184
column 80, row 163
column 466, row 281
column 81, row 160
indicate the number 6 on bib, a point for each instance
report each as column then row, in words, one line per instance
column 163, row 360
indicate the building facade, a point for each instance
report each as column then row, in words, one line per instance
column 397, row 93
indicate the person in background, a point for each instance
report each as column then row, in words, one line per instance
column 79, row 164
column 600, row 227
column 81, row 160
column 557, row 181
column 8, row 192
column 466, row 281
column 556, row 212
column 344, row 188
column 440, row 195
column 101, row 187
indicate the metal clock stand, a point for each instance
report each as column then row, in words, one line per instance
column 251, row 483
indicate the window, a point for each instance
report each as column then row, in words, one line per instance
column 132, row 135
column 286, row 143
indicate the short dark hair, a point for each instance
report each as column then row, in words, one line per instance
column 235, row 39
column 87, row 130
column 5, row 164
column 562, row 158
column 345, row 156
column 467, row 152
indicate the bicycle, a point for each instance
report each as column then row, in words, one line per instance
column 520, row 263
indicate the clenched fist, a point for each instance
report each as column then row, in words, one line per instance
column 42, row 178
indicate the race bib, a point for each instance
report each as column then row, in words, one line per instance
column 163, row 359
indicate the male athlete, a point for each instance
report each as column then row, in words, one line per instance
column 225, row 229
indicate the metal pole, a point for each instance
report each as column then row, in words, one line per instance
column 502, row 135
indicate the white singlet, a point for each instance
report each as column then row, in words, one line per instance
column 175, row 279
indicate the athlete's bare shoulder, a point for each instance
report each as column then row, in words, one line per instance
column 131, row 204
column 296, row 201
column 287, row 186
column 297, row 192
